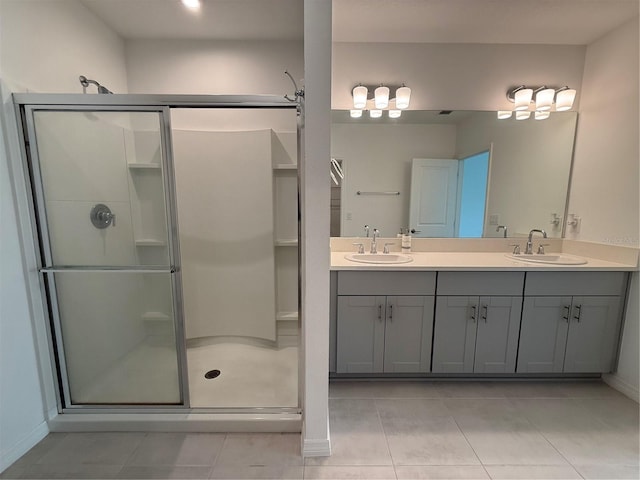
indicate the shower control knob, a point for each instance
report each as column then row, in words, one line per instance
column 101, row 216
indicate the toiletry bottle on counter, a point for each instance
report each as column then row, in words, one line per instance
column 400, row 234
column 406, row 242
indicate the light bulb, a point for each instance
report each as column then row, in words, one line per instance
column 544, row 99
column 403, row 96
column 355, row 113
column 522, row 115
column 395, row 113
column 504, row 114
column 360, row 97
column 375, row 113
column 564, row 99
column 523, row 99
column 382, row 97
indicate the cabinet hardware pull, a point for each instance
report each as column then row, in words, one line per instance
column 473, row 312
column 484, row 313
column 567, row 309
column 379, row 312
column 579, row 312
column 391, row 313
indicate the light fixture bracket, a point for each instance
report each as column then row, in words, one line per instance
column 371, row 88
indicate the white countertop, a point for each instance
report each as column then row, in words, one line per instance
column 473, row 261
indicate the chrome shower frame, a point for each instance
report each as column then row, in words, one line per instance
column 25, row 105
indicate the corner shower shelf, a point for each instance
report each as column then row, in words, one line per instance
column 144, row 166
column 286, row 316
column 285, row 166
column 150, row 242
column 286, row 243
column 156, row 316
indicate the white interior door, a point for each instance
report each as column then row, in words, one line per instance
column 434, row 186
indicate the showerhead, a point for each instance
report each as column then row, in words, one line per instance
column 84, row 81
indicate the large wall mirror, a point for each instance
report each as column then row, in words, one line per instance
column 450, row 174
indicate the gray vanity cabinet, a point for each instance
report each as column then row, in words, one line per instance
column 477, row 333
column 570, row 322
column 382, row 333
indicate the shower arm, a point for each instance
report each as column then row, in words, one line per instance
column 84, row 81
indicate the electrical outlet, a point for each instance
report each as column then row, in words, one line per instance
column 494, row 219
column 349, row 217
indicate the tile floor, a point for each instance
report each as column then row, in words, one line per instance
column 386, row 430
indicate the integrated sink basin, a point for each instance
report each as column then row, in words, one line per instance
column 378, row 258
column 549, row 258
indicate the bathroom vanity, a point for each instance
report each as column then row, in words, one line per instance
column 475, row 314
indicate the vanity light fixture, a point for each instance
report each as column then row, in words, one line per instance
column 375, row 113
column 355, row 113
column 521, row 96
column 522, row 115
column 382, row 97
column 191, row 4
column 542, row 115
column 504, row 114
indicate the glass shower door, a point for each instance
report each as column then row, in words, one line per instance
column 103, row 197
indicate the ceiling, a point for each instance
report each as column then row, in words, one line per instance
column 569, row 22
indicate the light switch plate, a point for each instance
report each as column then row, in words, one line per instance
column 494, row 219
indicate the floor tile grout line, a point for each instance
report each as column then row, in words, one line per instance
column 468, row 442
column 386, row 440
column 535, row 427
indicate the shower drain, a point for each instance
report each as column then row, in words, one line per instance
column 212, row 374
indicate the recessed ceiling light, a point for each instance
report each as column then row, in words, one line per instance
column 192, row 4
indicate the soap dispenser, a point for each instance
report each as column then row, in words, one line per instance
column 406, row 242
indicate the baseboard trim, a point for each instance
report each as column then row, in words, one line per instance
column 623, row 387
column 8, row 457
column 316, row 448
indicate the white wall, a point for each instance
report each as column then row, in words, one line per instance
column 378, row 158
column 44, row 46
column 213, row 67
column 453, row 76
column 605, row 180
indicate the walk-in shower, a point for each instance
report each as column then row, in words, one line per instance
column 168, row 237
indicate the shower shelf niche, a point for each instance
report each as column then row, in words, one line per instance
column 144, row 166
column 150, row 242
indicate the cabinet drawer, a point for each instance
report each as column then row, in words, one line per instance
column 386, row 283
column 480, row 283
column 575, row 283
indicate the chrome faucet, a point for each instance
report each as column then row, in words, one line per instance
column 374, row 244
column 529, row 249
column 502, row 227
column 366, row 230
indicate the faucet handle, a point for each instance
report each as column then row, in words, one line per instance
column 516, row 248
column 386, row 247
column 541, row 248
column 360, row 247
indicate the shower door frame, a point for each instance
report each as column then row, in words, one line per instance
column 26, row 104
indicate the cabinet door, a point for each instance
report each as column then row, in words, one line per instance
column 497, row 337
column 408, row 332
column 360, row 334
column 543, row 335
column 592, row 334
column 454, row 335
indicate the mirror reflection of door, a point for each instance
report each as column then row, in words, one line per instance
column 434, row 195
column 474, row 174
column 448, row 197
